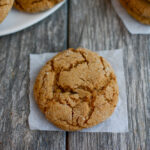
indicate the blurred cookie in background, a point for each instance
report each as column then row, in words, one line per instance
column 5, row 7
column 139, row 9
column 33, row 6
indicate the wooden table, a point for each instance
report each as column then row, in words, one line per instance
column 88, row 23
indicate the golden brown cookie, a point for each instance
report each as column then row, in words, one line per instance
column 76, row 89
column 139, row 9
column 33, row 6
column 5, row 6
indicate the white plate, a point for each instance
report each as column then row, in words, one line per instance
column 17, row 21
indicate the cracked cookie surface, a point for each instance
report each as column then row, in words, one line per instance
column 33, row 6
column 5, row 7
column 139, row 9
column 76, row 89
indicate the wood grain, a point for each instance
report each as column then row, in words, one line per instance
column 48, row 35
column 94, row 24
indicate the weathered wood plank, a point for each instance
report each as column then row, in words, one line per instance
column 48, row 35
column 94, row 24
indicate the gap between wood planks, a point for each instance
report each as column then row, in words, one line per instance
column 67, row 46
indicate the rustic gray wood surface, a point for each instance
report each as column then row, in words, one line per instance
column 48, row 35
column 92, row 24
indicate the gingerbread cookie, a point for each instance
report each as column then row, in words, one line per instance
column 139, row 9
column 5, row 6
column 76, row 89
column 33, row 6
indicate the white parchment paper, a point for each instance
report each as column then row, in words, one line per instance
column 118, row 122
column 133, row 26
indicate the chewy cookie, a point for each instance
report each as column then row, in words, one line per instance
column 5, row 6
column 139, row 9
column 33, row 6
column 76, row 89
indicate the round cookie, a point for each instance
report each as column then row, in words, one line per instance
column 76, row 89
column 5, row 6
column 33, row 6
column 139, row 9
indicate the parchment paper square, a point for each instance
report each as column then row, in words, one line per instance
column 118, row 122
